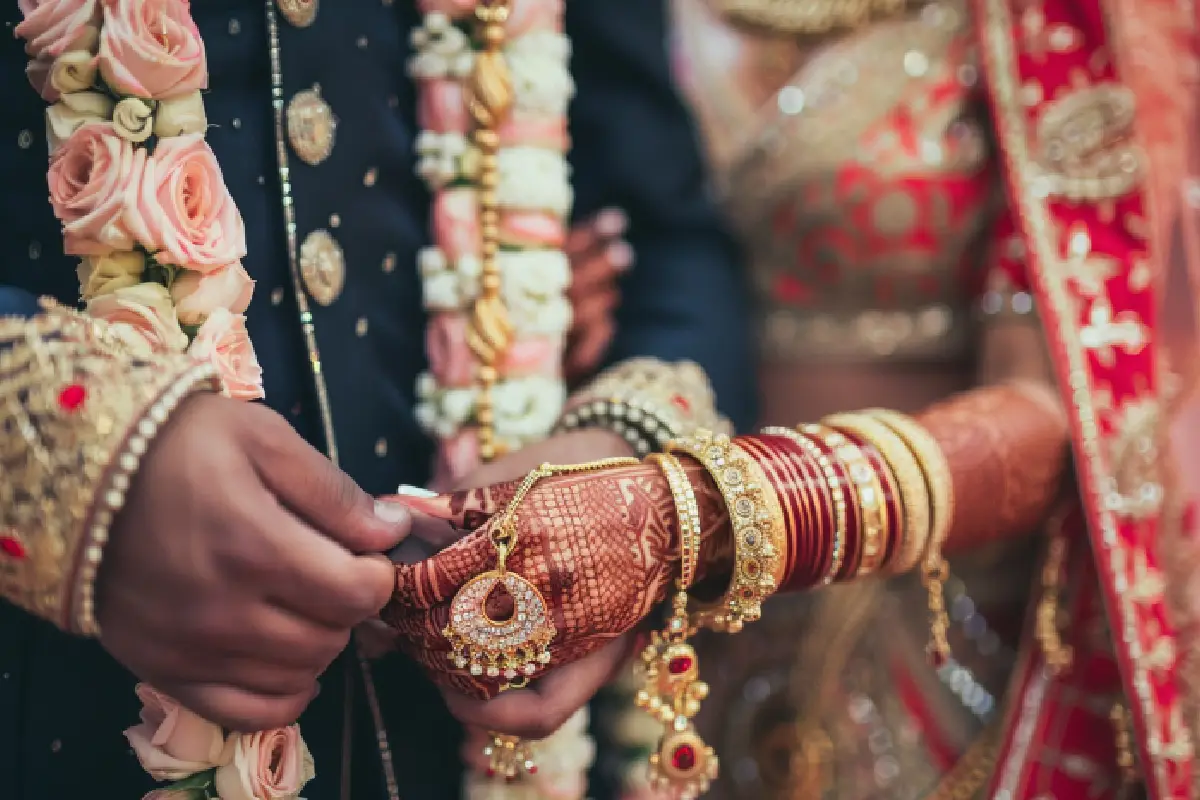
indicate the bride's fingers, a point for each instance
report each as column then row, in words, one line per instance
column 435, row 580
column 465, row 510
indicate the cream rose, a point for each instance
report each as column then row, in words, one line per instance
column 73, row 72
column 198, row 294
column 133, row 120
column 171, row 742
column 90, row 175
column 180, row 116
column 106, row 274
column 72, row 112
column 182, row 211
column 52, row 27
column 222, row 341
column 143, row 317
column 271, row 765
column 152, row 49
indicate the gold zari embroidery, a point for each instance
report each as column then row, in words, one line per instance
column 1085, row 144
column 77, row 411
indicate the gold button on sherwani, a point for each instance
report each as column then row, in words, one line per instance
column 300, row 13
column 311, row 126
column 322, row 267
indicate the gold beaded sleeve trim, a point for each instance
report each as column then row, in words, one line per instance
column 77, row 411
column 760, row 539
column 648, row 402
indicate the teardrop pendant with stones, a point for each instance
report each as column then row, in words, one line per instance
column 512, row 649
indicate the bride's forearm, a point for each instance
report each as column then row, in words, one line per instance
column 1005, row 450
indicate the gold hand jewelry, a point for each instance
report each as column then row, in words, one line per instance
column 514, row 648
column 672, row 689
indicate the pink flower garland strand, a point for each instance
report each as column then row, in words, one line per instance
column 143, row 204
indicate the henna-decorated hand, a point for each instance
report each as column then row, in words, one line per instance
column 601, row 547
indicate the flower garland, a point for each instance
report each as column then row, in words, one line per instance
column 143, row 203
column 532, row 191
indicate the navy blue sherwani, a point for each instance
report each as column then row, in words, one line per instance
column 64, row 702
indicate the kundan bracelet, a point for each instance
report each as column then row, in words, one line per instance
column 760, row 540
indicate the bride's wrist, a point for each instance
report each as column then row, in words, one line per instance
column 716, row 534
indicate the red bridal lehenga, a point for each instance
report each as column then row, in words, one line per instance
column 934, row 195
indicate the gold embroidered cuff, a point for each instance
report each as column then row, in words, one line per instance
column 648, row 402
column 760, row 537
column 78, row 410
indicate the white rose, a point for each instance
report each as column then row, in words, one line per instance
column 73, row 72
column 72, row 112
column 181, row 115
column 133, row 120
column 528, row 407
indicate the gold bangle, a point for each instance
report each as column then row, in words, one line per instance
column 905, row 467
column 672, row 690
column 78, row 405
column 758, row 531
column 110, row 496
column 873, row 507
column 688, row 513
column 935, row 470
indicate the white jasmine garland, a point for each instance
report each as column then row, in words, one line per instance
column 442, row 50
column 442, row 158
column 542, row 83
column 534, row 179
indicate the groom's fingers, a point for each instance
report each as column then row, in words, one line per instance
column 537, row 712
column 241, row 710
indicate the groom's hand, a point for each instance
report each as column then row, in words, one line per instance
column 239, row 565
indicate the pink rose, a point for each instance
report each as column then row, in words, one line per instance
column 198, row 294
column 442, row 106
column 152, row 49
column 456, row 457
column 182, row 210
column 52, row 27
column 530, row 15
column 270, row 765
column 90, row 175
column 174, row 794
column 532, row 229
column 144, row 318
column 171, row 742
column 450, row 358
column 222, row 341
column 549, row 133
column 456, row 223
column 534, row 356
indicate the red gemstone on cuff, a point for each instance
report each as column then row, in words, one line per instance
column 679, row 665
column 683, row 758
column 11, row 547
column 72, row 397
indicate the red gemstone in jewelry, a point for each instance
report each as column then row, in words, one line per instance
column 680, row 402
column 531, row 769
column 683, row 757
column 679, row 665
column 11, row 547
column 72, row 397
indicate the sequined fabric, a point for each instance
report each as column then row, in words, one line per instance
column 856, row 167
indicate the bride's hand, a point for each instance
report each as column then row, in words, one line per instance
column 599, row 546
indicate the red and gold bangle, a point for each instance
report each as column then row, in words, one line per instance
column 815, row 546
column 780, row 469
column 756, row 517
column 812, row 439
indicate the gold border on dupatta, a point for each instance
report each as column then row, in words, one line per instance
column 1155, row 721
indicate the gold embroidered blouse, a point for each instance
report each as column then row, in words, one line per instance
column 856, row 168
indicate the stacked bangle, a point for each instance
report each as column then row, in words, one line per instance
column 760, row 538
column 647, row 402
